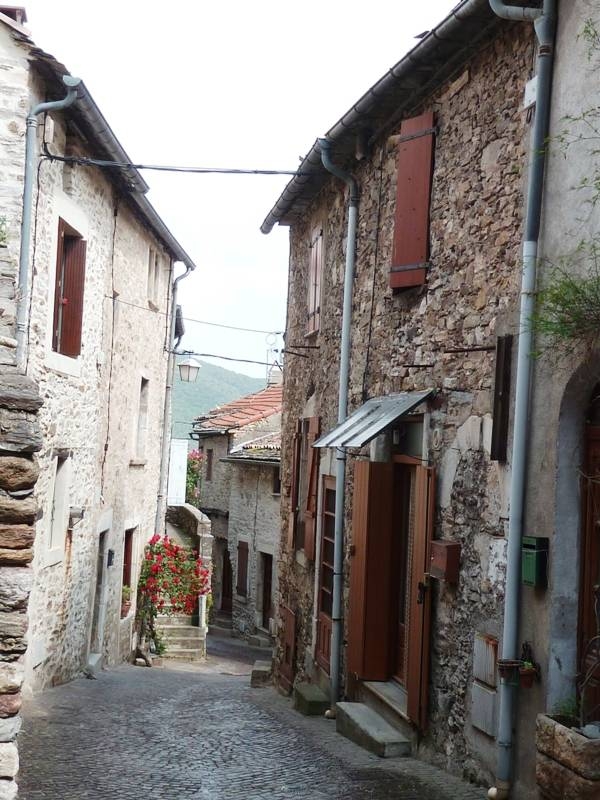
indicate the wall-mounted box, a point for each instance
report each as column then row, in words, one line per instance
column 534, row 562
column 445, row 560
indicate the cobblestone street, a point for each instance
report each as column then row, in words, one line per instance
column 189, row 732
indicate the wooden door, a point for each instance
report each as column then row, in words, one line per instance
column 324, row 624
column 267, row 589
column 417, row 675
column 589, row 596
column 226, row 583
column 369, row 611
column 403, row 517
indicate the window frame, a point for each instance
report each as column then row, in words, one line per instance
column 71, row 256
column 315, row 281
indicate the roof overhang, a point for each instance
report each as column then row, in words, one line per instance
column 373, row 418
column 432, row 62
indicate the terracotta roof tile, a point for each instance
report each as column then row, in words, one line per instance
column 246, row 410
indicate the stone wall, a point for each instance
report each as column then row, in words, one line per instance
column 253, row 518
column 90, row 409
column 403, row 342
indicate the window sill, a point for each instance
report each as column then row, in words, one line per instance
column 137, row 462
column 63, row 364
column 301, row 558
column 311, row 334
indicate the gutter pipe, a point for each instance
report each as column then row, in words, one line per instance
column 166, row 432
column 545, row 27
column 30, row 166
column 340, row 453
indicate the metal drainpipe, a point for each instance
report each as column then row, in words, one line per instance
column 166, row 433
column 340, row 453
column 30, row 152
column 545, row 28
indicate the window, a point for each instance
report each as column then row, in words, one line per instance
column 142, row 420
column 305, row 467
column 127, row 564
column 314, row 281
column 410, row 252
column 209, row 465
column 68, row 291
column 242, row 569
column 59, row 516
column 276, row 481
column 327, row 545
column 153, row 276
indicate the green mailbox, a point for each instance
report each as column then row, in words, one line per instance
column 534, row 562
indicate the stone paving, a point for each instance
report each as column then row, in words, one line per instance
column 178, row 733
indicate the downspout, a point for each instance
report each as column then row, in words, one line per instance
column 166, row 433
column 340, row 453
column 30, row 167
column 545, row 27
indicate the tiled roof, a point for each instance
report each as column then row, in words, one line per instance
column 263, row 448
column 242, row 412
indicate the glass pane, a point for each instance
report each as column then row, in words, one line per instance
column 330, row 500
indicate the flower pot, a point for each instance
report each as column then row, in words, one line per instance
column 527, row 676
column 508, row 670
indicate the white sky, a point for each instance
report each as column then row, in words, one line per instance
column 228, row 84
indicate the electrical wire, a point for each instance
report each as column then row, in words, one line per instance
column 194, row 319
column 84, row 161
column 274, row 363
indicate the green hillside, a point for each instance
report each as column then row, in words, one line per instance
column 214, row 386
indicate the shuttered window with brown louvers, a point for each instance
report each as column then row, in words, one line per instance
column 242, row 569
column 68, row 291
column 310, row 515
column 410, row 252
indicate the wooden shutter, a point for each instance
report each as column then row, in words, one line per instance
column 72, row 296
column 58, row 284
column 314, row 281
column 369, row 607
column 288, row 656
column 310, row 514
column 413, row 194
column 242, row 569
column 295, row 479
column 501, row 398
column 417, row 677
column 127, row 558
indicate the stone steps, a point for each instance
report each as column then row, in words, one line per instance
column 183, row 641
column 365, row 727
column 183, row 654
column 388, row 699
column 260, row 640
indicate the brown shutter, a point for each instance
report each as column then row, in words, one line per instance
column 286, row 666
column 417, row 678
column 58, row 283
column 242, row 569
column 310, row 514
column 72, row 296
column 501, row 398
column 369, row 607
column 413, row 194
column 296, row 446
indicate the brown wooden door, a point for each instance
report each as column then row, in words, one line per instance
column 369, row 611
column 417, row 675
column 227, row 583
column 402, row 531
column 324, row 624
column 589, row 597
column 267, row 604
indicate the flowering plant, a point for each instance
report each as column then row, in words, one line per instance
column 171, row 579
column 192, row 478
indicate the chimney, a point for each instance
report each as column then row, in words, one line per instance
column 17, row 13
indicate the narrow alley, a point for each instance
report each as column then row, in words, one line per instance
column 202, row 732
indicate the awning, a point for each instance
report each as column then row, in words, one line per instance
column 372, row 418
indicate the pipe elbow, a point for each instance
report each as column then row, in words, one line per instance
column 523, row 13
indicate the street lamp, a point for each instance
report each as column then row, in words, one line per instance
column 188, row 370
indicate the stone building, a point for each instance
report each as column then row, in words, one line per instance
column 86, row 335
column 239, row 491
column 436, row 160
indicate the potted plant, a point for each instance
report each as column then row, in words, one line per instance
column 125, row 601
column 528, row 672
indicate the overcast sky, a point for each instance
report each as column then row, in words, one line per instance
column 229, row 84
